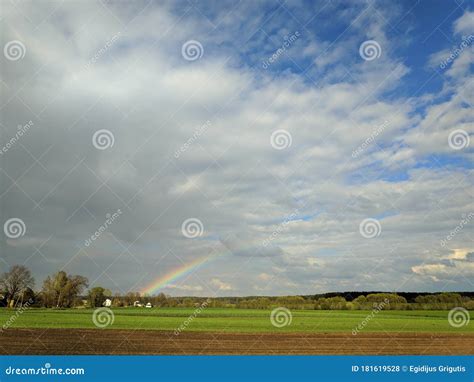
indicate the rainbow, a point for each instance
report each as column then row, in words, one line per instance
column 177, row 273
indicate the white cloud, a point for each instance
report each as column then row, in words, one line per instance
column 184, row 287
column 230, row 178
column 465, row 24
column 264, row 276
column 220, row 284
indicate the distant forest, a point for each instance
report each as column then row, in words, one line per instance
column 409, row 296
column 62, row 290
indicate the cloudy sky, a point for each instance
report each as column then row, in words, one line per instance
column 239, row 148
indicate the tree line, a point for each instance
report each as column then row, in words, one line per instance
column 62, row 290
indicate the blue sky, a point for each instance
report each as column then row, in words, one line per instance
column 313, row 145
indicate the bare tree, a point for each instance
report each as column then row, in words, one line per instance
column 15, row 281
column 61, row 289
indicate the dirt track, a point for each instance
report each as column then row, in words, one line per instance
column 95, row 341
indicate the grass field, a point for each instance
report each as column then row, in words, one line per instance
column 240, row 320
column 231, row 331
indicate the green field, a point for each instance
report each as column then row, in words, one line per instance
column 238, row 320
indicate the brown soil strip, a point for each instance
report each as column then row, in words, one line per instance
column 96, row 341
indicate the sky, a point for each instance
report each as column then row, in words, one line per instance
column 233, row 148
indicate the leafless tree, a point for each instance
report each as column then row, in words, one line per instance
column 15, row 281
